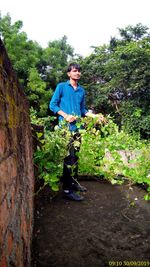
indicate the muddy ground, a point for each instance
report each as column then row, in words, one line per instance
column 111, row 227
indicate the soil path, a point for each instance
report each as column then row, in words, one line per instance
column 111, row 227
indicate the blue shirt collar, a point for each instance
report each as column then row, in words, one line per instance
column 78, row 85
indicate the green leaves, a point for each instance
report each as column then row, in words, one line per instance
column 105, row 151
column 50, row 153
column 117, row 79
column 113, row 154
column 37, row 93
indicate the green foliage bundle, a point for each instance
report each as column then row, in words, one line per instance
column 113, row 154
column 52, row 147
column 49, row 156
column 105, row 152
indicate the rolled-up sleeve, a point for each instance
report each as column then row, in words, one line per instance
column 55, row 101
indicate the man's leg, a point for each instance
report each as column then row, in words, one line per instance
column 67, row 178
column 70, row 171
column 74, row 154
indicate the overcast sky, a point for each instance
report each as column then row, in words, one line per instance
column 85, row 22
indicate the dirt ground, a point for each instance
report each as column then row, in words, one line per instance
column 111, row 227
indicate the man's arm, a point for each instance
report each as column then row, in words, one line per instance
column 86, row 113
column 55, row 100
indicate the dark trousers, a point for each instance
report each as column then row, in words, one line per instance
column 70, row 169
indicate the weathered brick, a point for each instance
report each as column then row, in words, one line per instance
column 2, row 113
column 4, row 220
column 8, row 172
column 16, row 170
column 3, row 141
column 9, row 243
column 3, row 262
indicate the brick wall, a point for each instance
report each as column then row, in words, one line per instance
column 16, row 170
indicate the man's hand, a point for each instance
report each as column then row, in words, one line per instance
column 67, row 117
column 100, row 117
column 70, row 118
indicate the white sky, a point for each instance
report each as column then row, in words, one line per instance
column 84, row 22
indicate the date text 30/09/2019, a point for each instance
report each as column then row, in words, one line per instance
column 129, row 263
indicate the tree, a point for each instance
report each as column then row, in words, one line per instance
column 131, row 33
column 24, row 53
column 119, row 81
column 56, row 56
column 38, row 69
column 37, row 92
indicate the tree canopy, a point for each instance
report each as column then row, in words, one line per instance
column 117, row 78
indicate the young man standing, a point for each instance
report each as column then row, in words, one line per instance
column 68, row 102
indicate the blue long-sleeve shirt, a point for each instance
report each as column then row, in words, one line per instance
column 69, row 100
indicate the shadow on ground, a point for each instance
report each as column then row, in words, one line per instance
column 111, row 227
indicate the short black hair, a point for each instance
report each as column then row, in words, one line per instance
column 73, row 66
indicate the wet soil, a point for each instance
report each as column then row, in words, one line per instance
column 111, row 227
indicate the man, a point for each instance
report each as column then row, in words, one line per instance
column 68, row 102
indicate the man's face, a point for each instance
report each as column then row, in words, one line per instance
column 74, row 74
